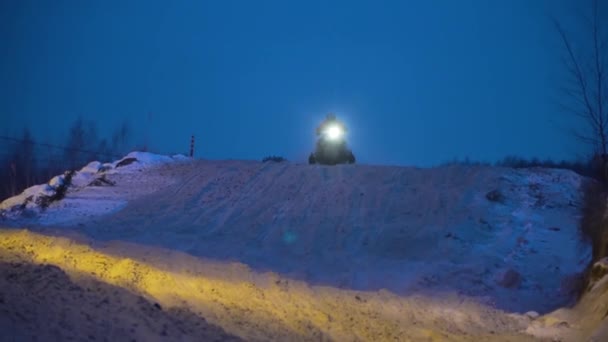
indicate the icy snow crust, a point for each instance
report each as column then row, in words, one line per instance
column 407, row 230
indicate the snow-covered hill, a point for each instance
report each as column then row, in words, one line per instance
column 503, row 237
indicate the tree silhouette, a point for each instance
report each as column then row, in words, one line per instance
column 586, row 89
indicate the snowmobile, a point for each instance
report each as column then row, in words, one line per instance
column 331, row 146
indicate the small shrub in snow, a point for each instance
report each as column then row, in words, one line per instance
column 276, row 159
column 59, row 193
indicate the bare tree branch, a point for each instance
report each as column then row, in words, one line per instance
column 598, row 66
column 574, row 111
column 586, row 88
column 584, row 138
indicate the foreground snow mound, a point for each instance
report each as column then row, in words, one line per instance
column 38, row 198
column 224, row 298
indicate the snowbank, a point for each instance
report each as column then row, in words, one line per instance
column 29, row 197
column 37, row 198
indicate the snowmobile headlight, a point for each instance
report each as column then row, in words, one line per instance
column 334, row 132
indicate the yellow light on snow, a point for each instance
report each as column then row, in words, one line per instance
column 257, row 307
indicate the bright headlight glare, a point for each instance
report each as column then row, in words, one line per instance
column 334, row 132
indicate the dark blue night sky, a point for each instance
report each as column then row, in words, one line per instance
column 417, row 82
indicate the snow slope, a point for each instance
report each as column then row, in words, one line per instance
column 358, row 227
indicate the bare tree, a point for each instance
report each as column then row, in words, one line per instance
column 22, row 164
column 73, row 155
column 120, row 138
column 91, row 143
column 18, row 166
column 26, row 160
column 586, row 89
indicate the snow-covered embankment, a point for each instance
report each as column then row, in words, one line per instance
column 503, row 238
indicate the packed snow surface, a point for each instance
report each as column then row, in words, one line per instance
column 504, row 238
